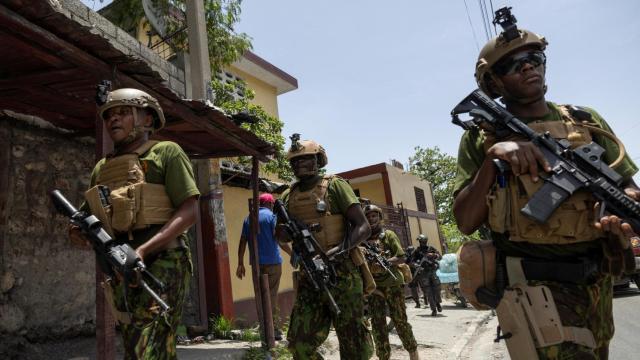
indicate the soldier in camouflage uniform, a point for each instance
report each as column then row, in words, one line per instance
column 512, row 66
column 326, row 204
column 389, row 293
column 156, row 228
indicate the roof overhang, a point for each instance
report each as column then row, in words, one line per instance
column 56, row 53
column 265, row 71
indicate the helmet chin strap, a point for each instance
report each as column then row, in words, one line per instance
column 137, row 130
column 308, row 172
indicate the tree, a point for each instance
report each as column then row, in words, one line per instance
column 268, row 128
column 225, row 46
column 439, row 169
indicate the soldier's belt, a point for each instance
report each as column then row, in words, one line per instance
column 580, row 271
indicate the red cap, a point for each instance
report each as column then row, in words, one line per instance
column 266, row 199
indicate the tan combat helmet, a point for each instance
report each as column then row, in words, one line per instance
column 369, row 208
column 307, row 147
column 509, row 41
column 136, row 98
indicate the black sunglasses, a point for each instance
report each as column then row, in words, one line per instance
column 515, row 63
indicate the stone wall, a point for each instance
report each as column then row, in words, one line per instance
column 47, row 286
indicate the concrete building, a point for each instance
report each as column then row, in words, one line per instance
column 406, row 199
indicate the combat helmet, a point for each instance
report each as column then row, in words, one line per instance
column 136, row 98
column 371, row 207
column 307, row 147
column 422, row 238
column 510, row 40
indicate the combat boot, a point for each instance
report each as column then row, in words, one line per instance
column 414, row 355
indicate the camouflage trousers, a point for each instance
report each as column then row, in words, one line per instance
column 151, row 336
column 589, row 306
column 391, row 298
column 312, row 317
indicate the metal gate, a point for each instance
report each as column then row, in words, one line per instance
column 396, row 220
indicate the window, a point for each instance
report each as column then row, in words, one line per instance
column 229, row 78
column 420, row 199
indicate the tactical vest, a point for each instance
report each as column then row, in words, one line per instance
column 572, row 222
column 313, row 208
column 130, row 203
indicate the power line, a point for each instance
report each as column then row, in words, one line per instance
column 495, row 30
column 484, row 20
column 486, row 16
column 473, row 31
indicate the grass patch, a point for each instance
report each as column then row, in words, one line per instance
column 280, row 352
column 220, row 327
column 250, row 335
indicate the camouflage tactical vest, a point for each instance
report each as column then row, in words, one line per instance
column 572, row 222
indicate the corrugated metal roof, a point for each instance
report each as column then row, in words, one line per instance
column 57, row 51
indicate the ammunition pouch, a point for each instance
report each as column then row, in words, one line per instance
column 406, row 273
column 368, row 283
column 131, row 207
column 529, row 318
column 572, row 222
column 477, row 272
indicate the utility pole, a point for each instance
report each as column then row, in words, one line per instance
column 212, row 249
column 198, row 49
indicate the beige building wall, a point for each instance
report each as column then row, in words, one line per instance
column 236, row 209
column 402, row 186
column 372, row 190
column 266, row 95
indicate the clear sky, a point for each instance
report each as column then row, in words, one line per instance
column 378, row 78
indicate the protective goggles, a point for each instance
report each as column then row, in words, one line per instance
column 515, row 63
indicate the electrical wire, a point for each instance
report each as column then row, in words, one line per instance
column 495, row 30
column 487, row 16
column 485, row 8
column 484, row 20
column 473, row 31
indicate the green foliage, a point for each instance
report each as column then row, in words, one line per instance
column 280, row 352
column 454, row 238
column 250, row 335
column 125, row 14
column 268, row 128
column 439, row 169
column 220, row 326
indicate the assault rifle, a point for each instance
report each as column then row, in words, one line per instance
column 113, row 259
column 373, row 255
column 312, row 259
column 426, row 263
column 571, row 169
